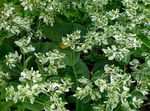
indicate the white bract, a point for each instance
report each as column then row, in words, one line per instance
column 55, row 60
column 31, row 91
column 27, row 4
column 8, row 10
column 23, row 43
column 116, row 53
column 12, row 59
column 3, row 77
column 30, row 75
column 72, row 39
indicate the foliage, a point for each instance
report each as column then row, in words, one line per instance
column 74, row 55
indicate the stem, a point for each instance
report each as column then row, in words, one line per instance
column 24, row 57
column 44, row 105
column 75, row 74
column 19, row 66
column 47, row 94
column 146, row 104
column 74, row 70
column 39, row 102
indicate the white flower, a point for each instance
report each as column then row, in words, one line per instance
column 137, row 102
column 12, row 59
column 116, row 53
column 27, row 49
column 83, row 92
column 55, row 60
column 8, row 10
column 41, row 57
column 52, row 70
column 31, row 75
column 101, row 84
column 72, row 39
column 22, row 22
column 27, row 4
column 113, row 14
column 83, row 80
column 23, row 43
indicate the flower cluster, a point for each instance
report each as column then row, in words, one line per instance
column 146, row 2
column 24, row 46
column 72, row 39
column 33, row 87
column 91, row 38
column 22, row 93
column 116, row 53
column 28, row 4
column 56, row 104
column 86, row 90
column 141, row 75
column 12, row 22
column 55, row 60
column 47, row 8
column 31, row 75
column 12, row 59
column 129, row 41
column 3, row 76
column 117, row 88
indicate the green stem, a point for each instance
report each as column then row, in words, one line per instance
column 75, row 74
column 74, row 69
column 39, row 102
column 24, row 57
column 146, row 104
column 47, row 94
column 44, row 105
column 19, row 66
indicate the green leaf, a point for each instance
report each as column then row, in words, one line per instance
column 97, row 74
column 43, row 97
column 26, row 62
column 20, row 108
column 126, row 60
column 138, row 95
column 123, row 108
column 138, row 52
column 2, row 2
column 144, row 39
column 45, row 46
column 99, row 64
column 71, row 99
column 14, row 72
column 69, row 73
column 54, row 78
column 5, row 106
column 82, row 69
column 5, row 49
column 71, row 57
column 141, row 36
column 33, row 107
column 80, row 106
column 60, row 30
column 6, row 34
column 40, row 68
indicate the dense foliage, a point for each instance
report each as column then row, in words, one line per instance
column 74, row 55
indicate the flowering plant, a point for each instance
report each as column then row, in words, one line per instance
column 74, row 55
